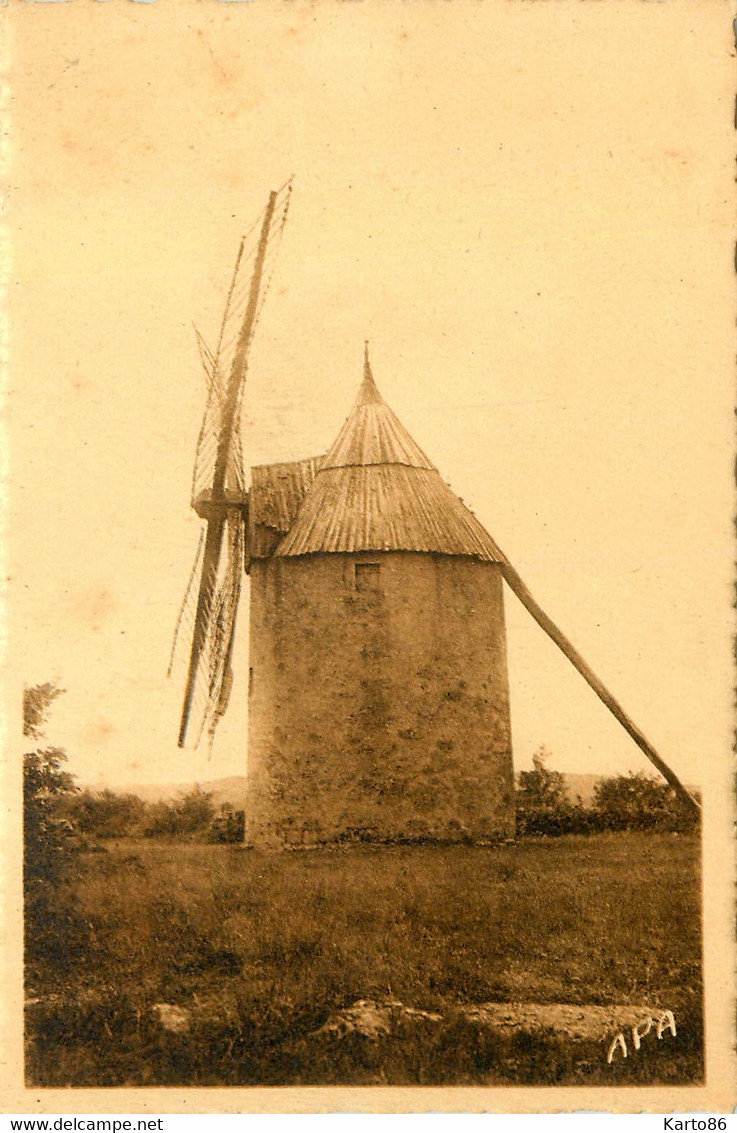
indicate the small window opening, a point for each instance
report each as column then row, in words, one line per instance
column 367, row 576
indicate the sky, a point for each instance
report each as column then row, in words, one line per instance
column 524, row 207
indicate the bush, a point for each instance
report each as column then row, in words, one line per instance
column 105, row 814
column 228, row 826
column 638, row 802
column 186, row 817
column 622, row 802
column 541, row 805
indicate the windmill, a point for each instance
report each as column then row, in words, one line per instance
column 377, row 621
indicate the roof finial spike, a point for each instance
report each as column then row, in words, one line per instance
column 368, row 394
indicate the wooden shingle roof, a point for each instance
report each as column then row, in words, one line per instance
column 276, row 495
column 377, row 491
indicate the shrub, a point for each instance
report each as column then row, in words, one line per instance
column 622, row 802
column 187, row 816
column 639, row 802
column 106, row 814
column 541, row 805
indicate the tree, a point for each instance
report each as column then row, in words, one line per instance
column 195, row 810
column 540, row 800
column 53, row 924
column 540, row 787
column 44, row 782
column 37, row 699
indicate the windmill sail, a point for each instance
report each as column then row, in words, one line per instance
column 218, row 483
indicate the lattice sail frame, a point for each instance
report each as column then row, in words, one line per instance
column 209, row 610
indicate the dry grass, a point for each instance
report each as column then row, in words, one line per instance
column 262, row 947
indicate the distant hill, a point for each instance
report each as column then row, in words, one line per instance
column 233, row 789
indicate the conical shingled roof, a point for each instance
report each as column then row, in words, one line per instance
column 377, row 491
column 373, row 434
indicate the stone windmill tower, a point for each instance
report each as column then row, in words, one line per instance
column 378, row 691
column 378, row 698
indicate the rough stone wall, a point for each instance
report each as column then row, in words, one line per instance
column 378, row 713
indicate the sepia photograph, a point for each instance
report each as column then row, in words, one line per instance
column 369, row 552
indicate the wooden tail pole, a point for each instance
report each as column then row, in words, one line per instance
column 517, row 585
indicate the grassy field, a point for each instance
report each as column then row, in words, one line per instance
column 262, row 948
